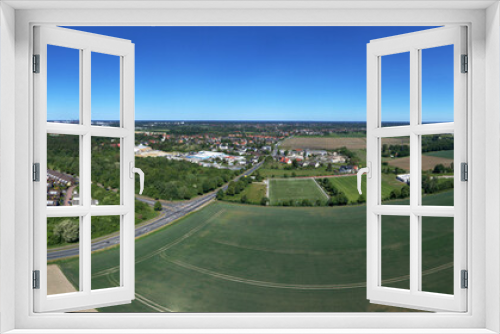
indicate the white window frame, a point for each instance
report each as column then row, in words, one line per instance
column 86, row 44
column 414, row 43
column 482, row 19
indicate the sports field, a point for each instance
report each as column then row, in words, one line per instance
column 242, row 258
column 295, row 189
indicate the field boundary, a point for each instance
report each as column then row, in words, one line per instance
column 322, row 190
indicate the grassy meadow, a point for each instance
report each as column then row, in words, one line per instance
column 241, row 258
column 254, row 193
column 296, row 190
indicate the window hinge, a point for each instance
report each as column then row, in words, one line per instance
column 36, row 172
column 465, row 64
column 464, row 167
column 36, row 279
column 36, row 63
column 465, row 279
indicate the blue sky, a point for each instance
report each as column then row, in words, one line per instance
column 251, row 73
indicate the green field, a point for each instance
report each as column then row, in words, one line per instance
column 254, row 193
column 349, row 185
column 294, row 189
column 449, row 154
column 242, row 258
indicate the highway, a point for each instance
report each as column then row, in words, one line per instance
column 172, row 211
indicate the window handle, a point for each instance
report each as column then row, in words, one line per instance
column 133, row 171
column 366, row 170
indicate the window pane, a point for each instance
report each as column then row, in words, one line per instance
column 105, row 235
column 105, row 171
column 63, row 166
column 437, row 169
column 395, row 171
column 395, row 251
column 437, row 254
column 105, row 89
column 395, row 89
column 63, row 84
column 63, row 241
column 437, row 84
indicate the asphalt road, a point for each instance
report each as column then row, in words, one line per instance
column 173, row 212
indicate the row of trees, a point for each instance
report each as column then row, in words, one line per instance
column 395, row 150
column 431, row 184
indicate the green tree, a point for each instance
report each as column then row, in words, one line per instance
column 264, row 201
column 439, row 169
column 395, row 193
column 67, row 230
column 405, row 192
column 157, row 206
column 230, row 190
column 361, row 199
column 244, row 199
column 341, row 199
column 220, row 195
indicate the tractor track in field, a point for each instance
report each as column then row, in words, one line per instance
column 190, row 233
column 143, row 300
column 296, row 286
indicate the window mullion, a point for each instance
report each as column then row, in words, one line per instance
column 85, row 182
column 415, row 158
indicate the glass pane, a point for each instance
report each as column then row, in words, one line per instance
column 437, row 254
column 63, row 166
column 395, row 89
column 437, row 170
column 63, row 84
column 63, row 251
column 395, row 171
column 437, row 84
column 105, row 235
column 105, row 171
column 395, row 251
column 105, row 89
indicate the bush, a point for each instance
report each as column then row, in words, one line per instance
column 341, row 199
column 220, row 195
column 405, row 192
column 361, row 199
column 67, row 231
column 157, row 206
column 396, row 193
column 264, row 201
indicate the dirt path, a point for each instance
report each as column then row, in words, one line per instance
column 57, row 283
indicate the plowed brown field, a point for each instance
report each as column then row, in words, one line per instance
column 318, row 143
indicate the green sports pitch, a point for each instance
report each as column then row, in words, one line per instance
column 243, row 258
column 282, row 190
